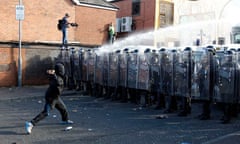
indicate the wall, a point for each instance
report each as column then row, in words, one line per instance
column 40, row 23
column 36, row 59
column 8, row 66
column 145, row 20
column 93, row 24
column 41, row 18
column 40, row 26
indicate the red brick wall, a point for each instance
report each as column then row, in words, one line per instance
column 41, row 17
column 125, row 8
column 93, row 24
column 36, row 59
column 8, row 66
column 145, row 20
column 40, row 24
column 40, row 20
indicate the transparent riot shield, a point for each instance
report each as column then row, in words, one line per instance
column 67, row 63
column 174, row 79
column 201, row 75
column 216, row 91
column 76, row 67
column 165, row 77
column 98, row 75
column 84, row 66
column 91, row 65
column 113, row 69
column 133, row 70
column 227, row 78
column 143, row 73
column 238, row 74
column 80, row 57
column 155, row 72
column 183, row 74
column 105, row 68
column 123, row 69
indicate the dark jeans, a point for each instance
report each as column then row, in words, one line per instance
column 64, row 37
column 56, row 103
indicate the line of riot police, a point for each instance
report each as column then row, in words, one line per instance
column 168, row 78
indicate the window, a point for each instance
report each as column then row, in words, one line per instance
column 136, row 7
column 237, row 38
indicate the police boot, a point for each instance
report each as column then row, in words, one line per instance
column 186, row 107
column 161, row 104
column 172, row 105
column 227, row 114
column 234, row 111
column 185, row 111
column 206, row 111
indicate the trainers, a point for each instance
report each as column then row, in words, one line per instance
column 28, row 127
column 67, row 122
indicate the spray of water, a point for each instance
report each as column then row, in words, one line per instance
column 175, row 36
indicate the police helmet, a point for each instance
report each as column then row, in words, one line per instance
column 188, row 49
column 147, row 50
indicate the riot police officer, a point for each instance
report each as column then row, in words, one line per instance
column 229, row 81
column 186, row 75
column 206, row 82
column 164, row 79
column 123, row 71
column 172, row 104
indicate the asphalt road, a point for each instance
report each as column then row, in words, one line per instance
column 100, row 121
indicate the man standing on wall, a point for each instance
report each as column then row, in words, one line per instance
column 111, row 33
column 64, row 25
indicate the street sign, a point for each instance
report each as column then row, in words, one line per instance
column 19, row 12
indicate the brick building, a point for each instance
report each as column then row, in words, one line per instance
column 41, row 17
column 41, row 38
column 143, row 15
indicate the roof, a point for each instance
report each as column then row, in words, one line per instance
column 96, row 3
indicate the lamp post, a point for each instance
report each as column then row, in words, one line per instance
column 20, row 17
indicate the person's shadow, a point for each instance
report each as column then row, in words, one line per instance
column 9, row 132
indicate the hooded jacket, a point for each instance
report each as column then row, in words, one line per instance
column 56, row 83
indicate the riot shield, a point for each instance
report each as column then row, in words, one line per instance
column 91, row 65
column 123, row 69
column 133, row 69
column 238, row 74
column 98, row 75
column 174, row 79
column 105, row 68
column 84, row 66
column 143, row 79
column 80, row 59
column 67, row 63
column 183, row 74
column 113, row 69
column 164, row 83
column 155, row 72
column 201, row 75
column 227, row 78
column 76, row 67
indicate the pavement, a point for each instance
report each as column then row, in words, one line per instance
column 101, row 121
